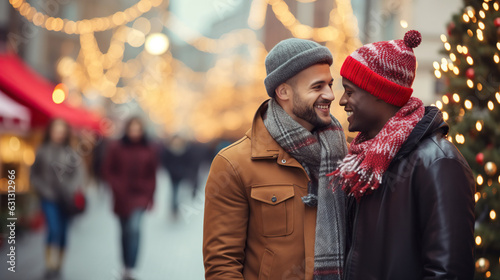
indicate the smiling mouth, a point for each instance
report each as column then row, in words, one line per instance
column 323, row 106
column 349, row 113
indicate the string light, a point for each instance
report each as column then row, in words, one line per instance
column 87, row 25
column 450, row 139
column 479, row 86
column 459, row 49
column 437, row 73
column 481, row 25
column 479, row 33
column 465, row 50
column 470, row 33
column 480, row 179
column 468, row 104
column 453, row 57
column 496, row 58
column 445, row 99
column 443, row 38
column 477, row 196
column 495, row 6
column 447, row 46
column 466, row 18
column 491, row 106
column 456, row 71
column 444, row 67
column 470, row 13
column 479, row 240
column 403, row 23
column 456, row 97
column 485, row 6
column 470, row 61
column 497, row 96
column 493, row 214
column 460, row 139
column 488, row 274
column 445, row 116
column 498, row 46
column 439, row 105
column 435, row 64
column 470, row 83
column 479, row 126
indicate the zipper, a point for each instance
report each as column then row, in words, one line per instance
column 348, row 266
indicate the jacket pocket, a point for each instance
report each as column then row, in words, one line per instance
column 266, row 265
column 276, row 204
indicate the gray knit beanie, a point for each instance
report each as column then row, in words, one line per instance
column 291, row 56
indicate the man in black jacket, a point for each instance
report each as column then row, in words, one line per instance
column 411, row 205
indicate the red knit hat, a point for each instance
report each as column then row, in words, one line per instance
column 385, row 69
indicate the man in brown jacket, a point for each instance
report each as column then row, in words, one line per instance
column 270, row 212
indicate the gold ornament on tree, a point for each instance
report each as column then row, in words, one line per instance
column 490, row 168
column 482, row 265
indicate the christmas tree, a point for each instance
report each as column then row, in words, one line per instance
column 470, row 104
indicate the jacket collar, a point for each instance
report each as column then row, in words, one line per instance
column 431, row 123
column 263, row 144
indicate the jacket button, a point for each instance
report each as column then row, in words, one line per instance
column 273, row 199
column 283, row 161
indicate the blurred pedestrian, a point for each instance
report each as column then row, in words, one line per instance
column 181, row 159
column 130, row 169
column 56, row 175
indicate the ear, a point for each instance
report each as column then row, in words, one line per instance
column 283, row 92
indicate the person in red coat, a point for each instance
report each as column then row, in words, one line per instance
column 130, row 170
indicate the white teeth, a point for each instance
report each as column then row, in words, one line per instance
column 321, row 107
column 349, row 114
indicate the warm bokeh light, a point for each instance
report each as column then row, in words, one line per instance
column 493, row 214
column 468, row 104
column 456, row 97
column 479, row 179
column 157, row 43
column 445, row 116
column 479, row 240
column 403, row 23
column 460, row 139
column 439, row 105
column 491, row 106
column 479, row 126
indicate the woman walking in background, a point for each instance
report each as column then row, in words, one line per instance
column 56, row 175
column 130, row 169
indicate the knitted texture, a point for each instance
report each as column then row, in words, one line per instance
column 385, row 69
column 318, row 152
column 361, row 171
column 291, row 56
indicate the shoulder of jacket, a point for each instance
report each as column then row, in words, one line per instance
column 236, row 149
column 437, row 147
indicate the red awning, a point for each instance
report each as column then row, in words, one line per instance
column 30, row 89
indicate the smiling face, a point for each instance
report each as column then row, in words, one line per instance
column 366, row 113
column 307, row 96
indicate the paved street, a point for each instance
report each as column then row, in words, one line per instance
column 170, row 248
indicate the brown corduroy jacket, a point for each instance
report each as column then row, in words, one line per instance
column 256, row 225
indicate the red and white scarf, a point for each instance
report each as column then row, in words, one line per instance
column 361, row 171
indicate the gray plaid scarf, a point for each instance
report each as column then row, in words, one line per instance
column 328, row 142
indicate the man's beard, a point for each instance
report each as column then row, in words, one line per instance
column 301, row 110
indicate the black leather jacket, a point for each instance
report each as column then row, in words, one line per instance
column 419, row 224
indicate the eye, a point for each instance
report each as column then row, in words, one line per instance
column 318, row 87
column 330, row 85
